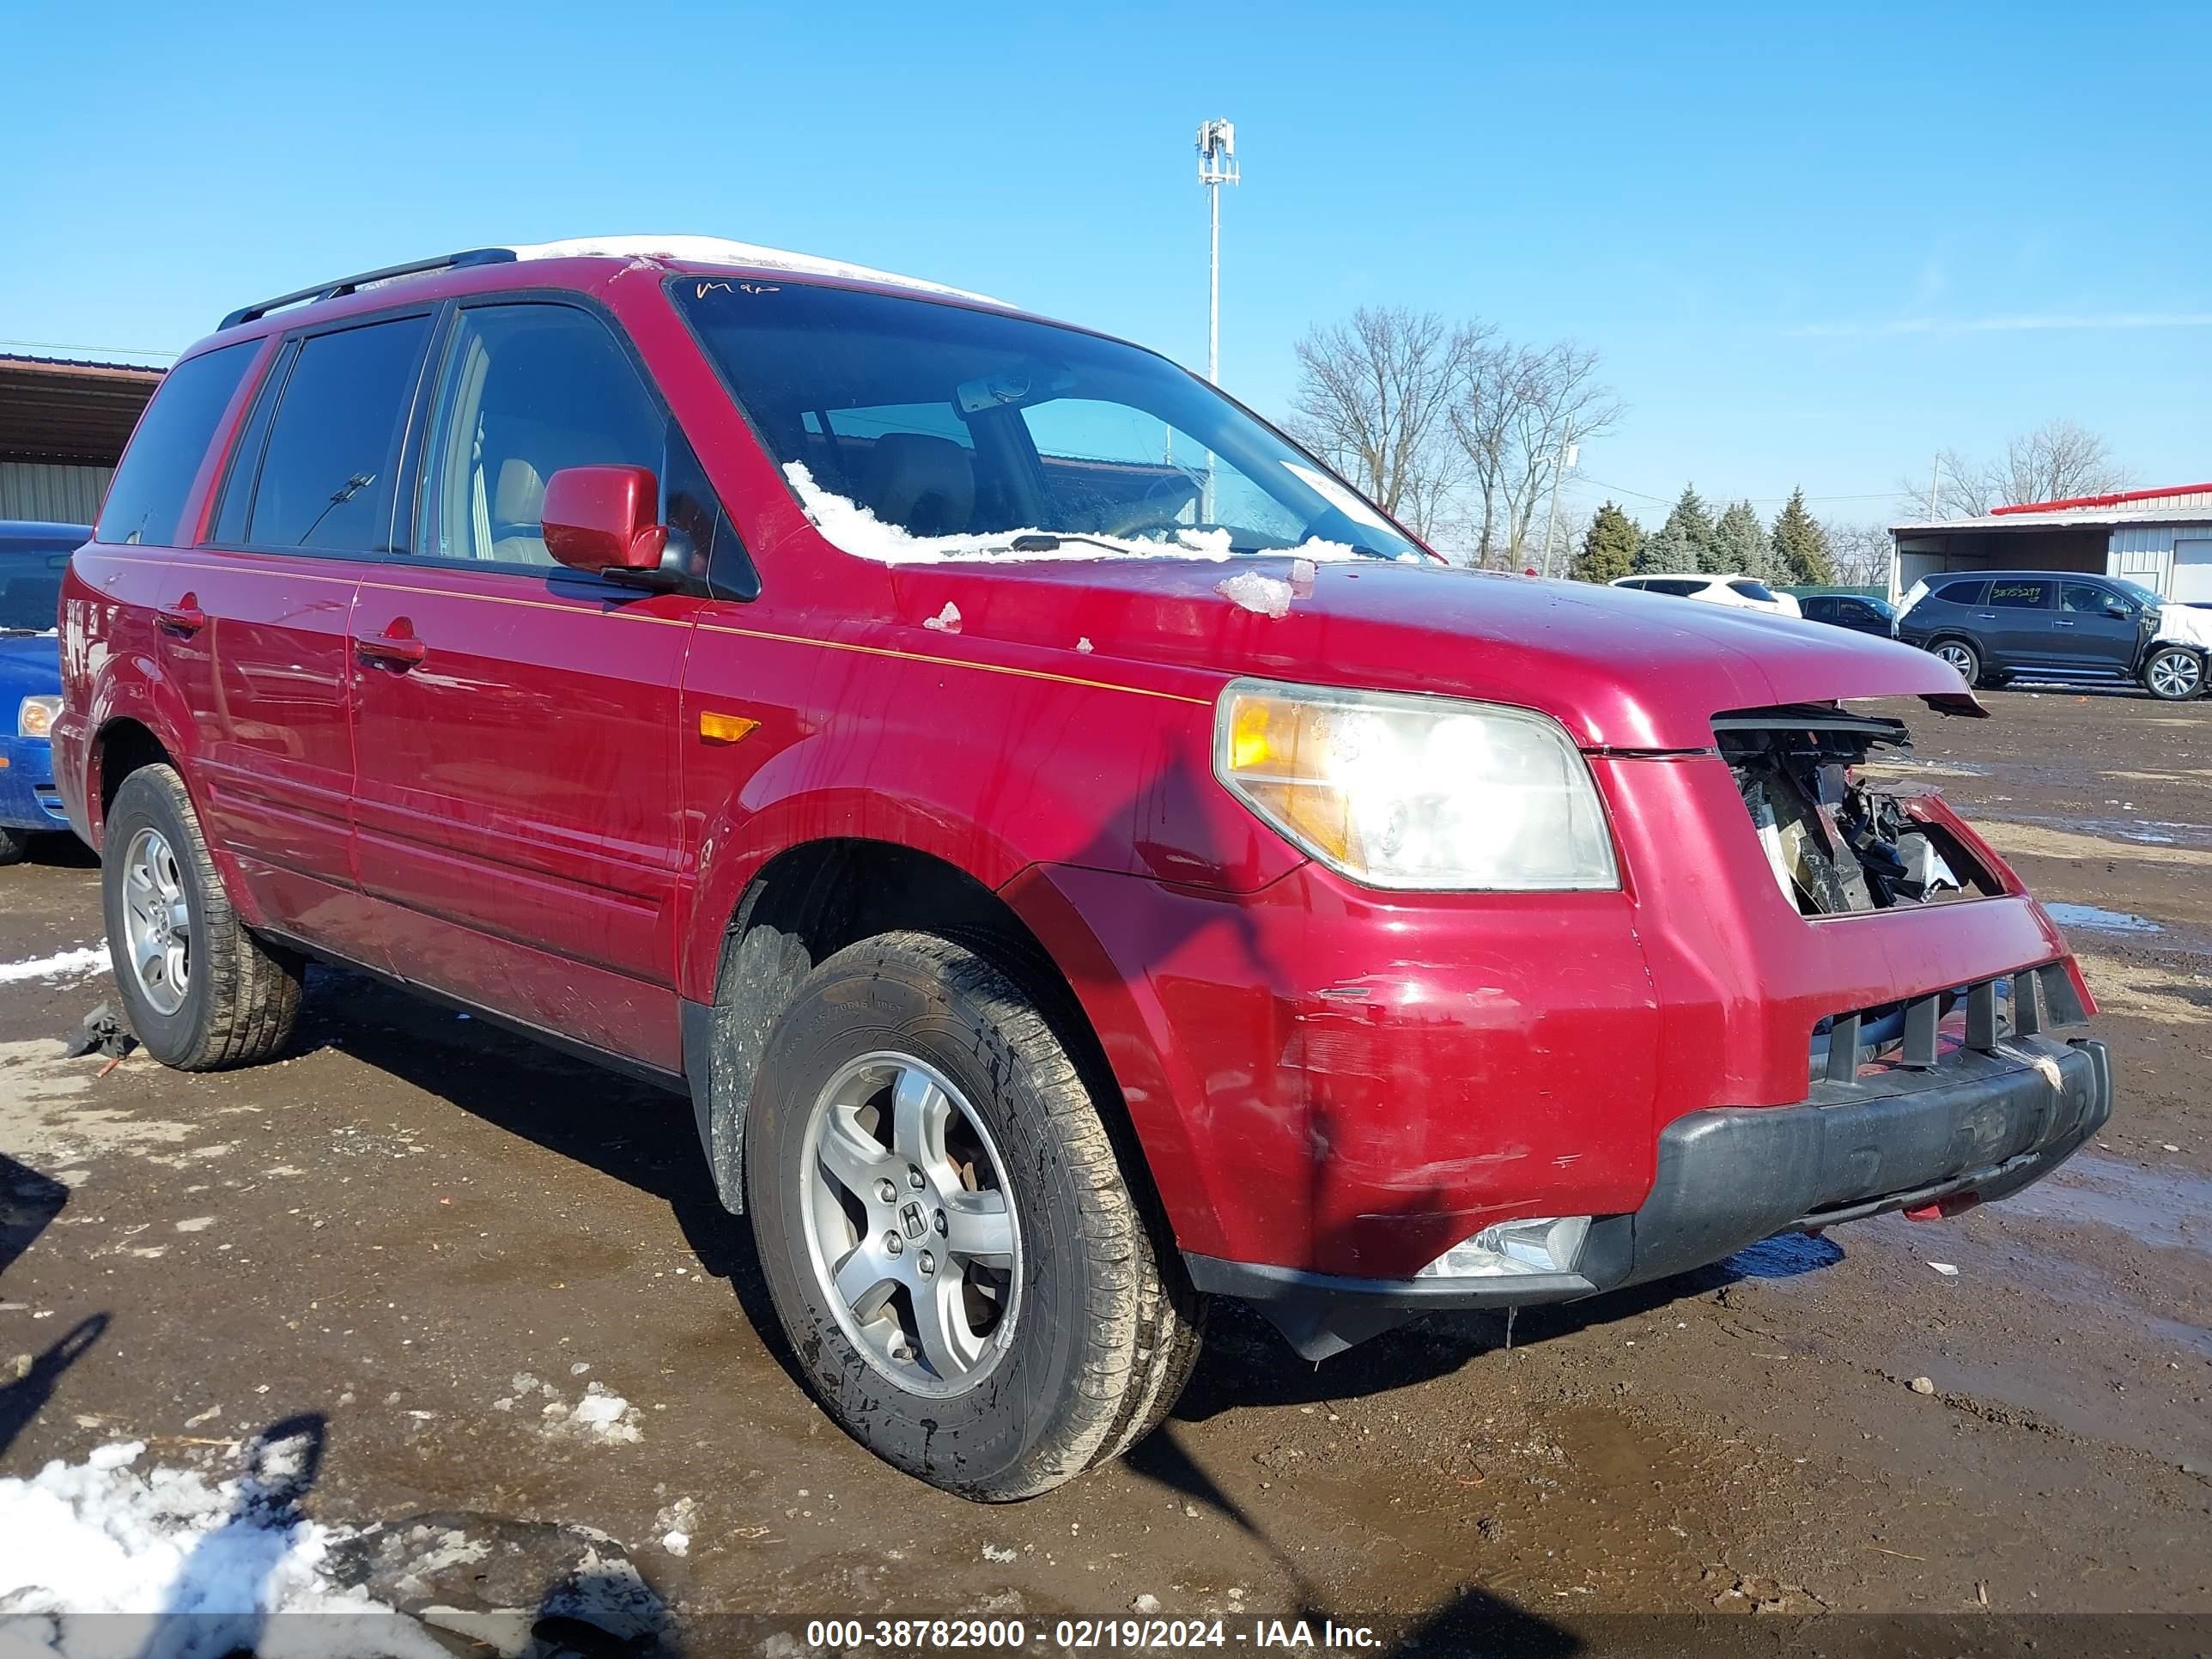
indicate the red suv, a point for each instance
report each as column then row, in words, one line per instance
column 1078, row 856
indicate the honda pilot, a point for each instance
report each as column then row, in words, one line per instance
column 1077, row 855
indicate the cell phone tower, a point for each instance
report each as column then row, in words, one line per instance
column 1217, row 165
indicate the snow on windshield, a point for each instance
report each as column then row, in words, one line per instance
column 853, row 528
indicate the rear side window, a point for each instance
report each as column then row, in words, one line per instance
column 147, row 497
column 1680, row 590
column 1966, row 593
column 2019, row 595
column 1821, row 610
column 326, row 479
column 1752, row 590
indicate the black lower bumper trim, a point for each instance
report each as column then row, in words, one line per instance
column 1980, row 1123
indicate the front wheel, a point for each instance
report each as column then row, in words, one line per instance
column 1962, row 657
column 2173, row 674
column 202, row 993
column 967, row 1279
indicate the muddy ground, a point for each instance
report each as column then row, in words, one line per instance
column 426, row 1231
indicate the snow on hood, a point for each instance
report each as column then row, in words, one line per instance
column 855, row 530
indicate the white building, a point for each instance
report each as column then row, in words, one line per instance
column 2161, row 538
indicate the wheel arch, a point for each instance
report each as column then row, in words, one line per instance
column 813, row 899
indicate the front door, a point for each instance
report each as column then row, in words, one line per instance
column 2093, row 631
column 516, row 733
column 309, row 499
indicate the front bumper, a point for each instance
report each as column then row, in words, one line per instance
column 1983, row 1123
column 28, row 799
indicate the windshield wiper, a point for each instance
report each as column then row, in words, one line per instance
column 1054, row 544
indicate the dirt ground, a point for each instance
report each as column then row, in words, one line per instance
column 427, row 1232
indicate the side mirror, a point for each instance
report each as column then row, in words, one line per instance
column 2118, row 608
column 602, row 519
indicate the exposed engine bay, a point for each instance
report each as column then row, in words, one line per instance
column 1836, row 842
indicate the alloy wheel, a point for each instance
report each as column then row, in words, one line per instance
column 1957, row 656
column 910, row 1225
column 2176, row 675
column 156, row 921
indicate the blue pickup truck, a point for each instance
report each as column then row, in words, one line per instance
column 32, row 557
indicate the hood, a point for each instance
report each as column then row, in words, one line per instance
column 1619, row 668
column 29, row 667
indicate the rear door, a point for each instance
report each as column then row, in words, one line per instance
column 2014, row 624
column 306, row 507
column 518, row 789
column 2087, row 634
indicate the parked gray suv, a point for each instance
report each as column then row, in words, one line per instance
column 1993, row 626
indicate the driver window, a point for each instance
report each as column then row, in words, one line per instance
column 526, row 391
column 2084, row 599
column 1114, row 470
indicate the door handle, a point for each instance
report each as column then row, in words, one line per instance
column 183, row 618
column 1986, row 616
column 400, row 651
column 2060, row 622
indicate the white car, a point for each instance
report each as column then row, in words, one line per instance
column 1743, row 593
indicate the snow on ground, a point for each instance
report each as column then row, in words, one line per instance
column 85, row 959
column 859, row 531
column 203, row 1566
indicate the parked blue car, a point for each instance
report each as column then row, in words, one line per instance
column 32, row 557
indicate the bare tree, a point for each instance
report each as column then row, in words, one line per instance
column 2057, row 461
column 1374, row 399
column 1520, row 409
column 1859, row 552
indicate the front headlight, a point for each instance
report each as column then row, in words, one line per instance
column 1416, row 793
column 35, row 718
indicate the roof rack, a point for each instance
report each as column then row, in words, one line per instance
column 467, row 257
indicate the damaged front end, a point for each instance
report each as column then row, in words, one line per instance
column 1836, row 841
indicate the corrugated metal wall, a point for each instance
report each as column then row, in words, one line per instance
column 46, row 489
column 2144, row 552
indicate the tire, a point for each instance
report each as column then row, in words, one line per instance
column 15, row 845
column 1072, row 1340
column 2174, row 673
column 217, row 996
column 1962, row 657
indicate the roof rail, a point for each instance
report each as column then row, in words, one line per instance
column 467, row 257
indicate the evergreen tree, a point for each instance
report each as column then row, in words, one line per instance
column 1739, row 543
column 1800, row 546
column 1609, row 547
column 1685, row 542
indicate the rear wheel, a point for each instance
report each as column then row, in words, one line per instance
column 968, row 1281
column 14, row 844
column 1962, row 657
column 2173, row 674
column 202, row 993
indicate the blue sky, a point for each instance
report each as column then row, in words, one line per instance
column 1812, row 245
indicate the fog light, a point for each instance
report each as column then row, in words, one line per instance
column 1541, row 1245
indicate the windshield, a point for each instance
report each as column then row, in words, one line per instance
column 2138, row 593
column 31, row 590
column 915, row 429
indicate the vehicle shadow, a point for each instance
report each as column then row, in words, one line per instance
column 28, row 1203
column 60, row 850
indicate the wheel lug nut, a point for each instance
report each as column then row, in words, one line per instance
column 944, row 1227
column 893, row 1244
column 886, row 1192
column 914, row 1178
column 927, row 1263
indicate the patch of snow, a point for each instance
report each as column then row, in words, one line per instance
column 101, row 1537
column 856, row 529
column 720, row 251
column 196, row 1223
column 85, row 959
column 946, row 620
column 993, row 1552
column 1084, row 645
column 1261, row 594
column 675, row 1543
column 1945, row 1268
column 600, row 1415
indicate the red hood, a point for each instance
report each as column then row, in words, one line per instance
column 1619, row 668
